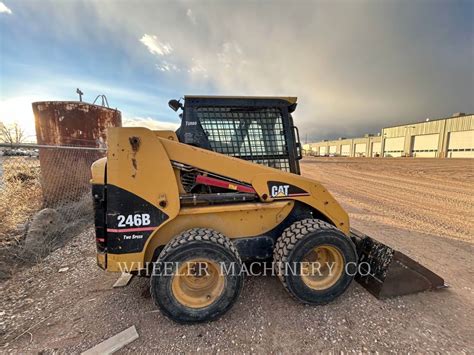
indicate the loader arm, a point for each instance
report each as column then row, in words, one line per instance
column 312, row 193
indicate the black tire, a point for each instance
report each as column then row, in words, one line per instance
column 297, row 241
column 191, row 245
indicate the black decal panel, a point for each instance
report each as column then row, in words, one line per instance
column 279, row 189
column 130, row 221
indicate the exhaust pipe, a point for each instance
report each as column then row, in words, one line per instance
column 386, row 272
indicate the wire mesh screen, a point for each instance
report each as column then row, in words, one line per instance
column 45, row 193
column 252, row 134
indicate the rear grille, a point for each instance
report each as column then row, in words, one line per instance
column 251, row 134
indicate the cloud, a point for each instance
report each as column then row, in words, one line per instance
column 190, row 15
column 230, row 54
column 196, row 67
column 167, row 66
column 155, row 46
column 149, row 122
column 4, row 9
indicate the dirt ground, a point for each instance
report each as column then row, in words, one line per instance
column 423, row 207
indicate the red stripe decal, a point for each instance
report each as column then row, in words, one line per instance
column 210, row 181
column 100, row 240
column 142, row 229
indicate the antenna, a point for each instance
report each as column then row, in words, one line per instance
column 80, row 93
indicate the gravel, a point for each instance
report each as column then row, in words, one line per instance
column 42, row 309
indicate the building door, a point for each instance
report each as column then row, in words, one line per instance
column 360, row 149
column 346, row 150
column 461, row 144
column 376, row 149
column 425, row 146
column 394, row 147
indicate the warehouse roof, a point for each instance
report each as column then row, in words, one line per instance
column 430, row 120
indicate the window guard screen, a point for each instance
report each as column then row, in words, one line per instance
column 252, row 134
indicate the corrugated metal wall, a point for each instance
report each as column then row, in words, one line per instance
column 340, row 143
column 407, row 134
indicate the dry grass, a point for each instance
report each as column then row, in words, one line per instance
column 20, row 196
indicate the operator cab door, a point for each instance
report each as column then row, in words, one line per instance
column 258, row 130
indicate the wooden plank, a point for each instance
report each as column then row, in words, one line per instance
column 123, row 280
column 114, row 343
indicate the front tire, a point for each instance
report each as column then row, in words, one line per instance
column 310, row 259
column 197, row 276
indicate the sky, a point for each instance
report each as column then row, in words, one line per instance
column 356, row 66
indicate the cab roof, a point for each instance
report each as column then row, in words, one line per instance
column 290, row 99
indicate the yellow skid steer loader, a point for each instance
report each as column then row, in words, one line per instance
column 188, row 208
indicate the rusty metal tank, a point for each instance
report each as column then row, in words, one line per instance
column 73, row 123
column 72, row 131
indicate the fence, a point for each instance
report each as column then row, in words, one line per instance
column 52, row 179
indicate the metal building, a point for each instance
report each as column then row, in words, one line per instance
column 451, row 137
column 368, row 146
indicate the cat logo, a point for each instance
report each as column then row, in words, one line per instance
column 279, row 190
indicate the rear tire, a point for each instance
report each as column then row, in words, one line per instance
column 188, row 284
column 310, row 259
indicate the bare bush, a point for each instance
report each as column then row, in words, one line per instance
column 12, row 134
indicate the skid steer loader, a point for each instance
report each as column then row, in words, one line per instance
column 189, row 207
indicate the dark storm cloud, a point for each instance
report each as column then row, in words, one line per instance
column 356, row 66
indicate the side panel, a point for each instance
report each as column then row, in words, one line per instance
column 137, row 162
column 130, row 221
column 142, row 192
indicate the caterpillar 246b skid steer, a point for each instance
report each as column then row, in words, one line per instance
column 189, row 207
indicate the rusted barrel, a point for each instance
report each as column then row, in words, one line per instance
column 65, row 172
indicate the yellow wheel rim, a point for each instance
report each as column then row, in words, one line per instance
column 322, row 267
column 197, row 283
